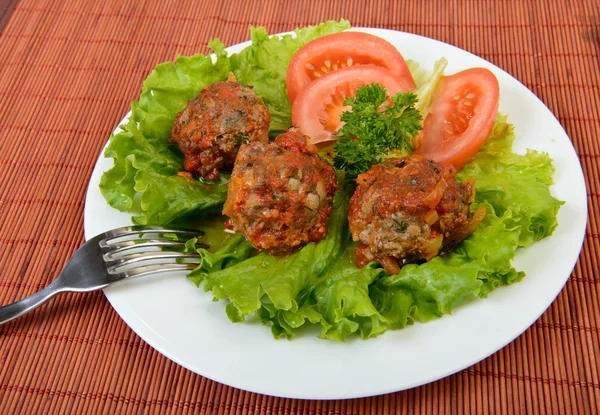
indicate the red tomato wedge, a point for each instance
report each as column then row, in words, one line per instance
column 340, row 50
column 316, row 111
column 461, row 117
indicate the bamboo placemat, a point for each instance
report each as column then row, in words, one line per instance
column 68, row 72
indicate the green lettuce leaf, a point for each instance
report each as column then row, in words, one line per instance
column 235, row 250
column 519, row 183
column 280, row 282
column 342, row 299
column 143, row 179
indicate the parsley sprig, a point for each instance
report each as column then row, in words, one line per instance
column 371, row 130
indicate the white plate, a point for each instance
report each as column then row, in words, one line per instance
column 181, row 321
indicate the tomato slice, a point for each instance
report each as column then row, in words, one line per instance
column 317, row 109
column 461, row 117
column 340, row 50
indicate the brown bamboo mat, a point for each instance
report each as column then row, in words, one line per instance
column 68, row 72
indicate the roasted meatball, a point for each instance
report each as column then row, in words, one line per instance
column 212, row 127
column 407, row 210
column 280, row 194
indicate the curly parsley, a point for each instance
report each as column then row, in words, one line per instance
column 371, row 131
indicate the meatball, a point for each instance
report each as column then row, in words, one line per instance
column 280, row 194
column 210, row 130
column 407, row 210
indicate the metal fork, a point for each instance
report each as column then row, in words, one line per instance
column 117, row 255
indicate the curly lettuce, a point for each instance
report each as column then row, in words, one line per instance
column 519, row 183
column 143, row 179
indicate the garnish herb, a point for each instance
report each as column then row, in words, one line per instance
column 376, row 125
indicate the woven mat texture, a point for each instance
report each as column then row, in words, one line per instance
column 68, row 73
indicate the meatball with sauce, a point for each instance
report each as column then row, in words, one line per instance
column 409, row 209
column 280, row 194
column 210, row 130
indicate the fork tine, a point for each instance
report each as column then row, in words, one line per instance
column 114, row 266
column 120, row 248
column 132, row 232
column 154, row 269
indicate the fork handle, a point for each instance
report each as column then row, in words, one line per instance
column 14, row 310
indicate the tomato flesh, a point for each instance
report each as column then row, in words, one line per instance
column 322, row 65
column 341, row 50
column 461, row 117
column 316, row 111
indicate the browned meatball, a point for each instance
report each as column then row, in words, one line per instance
column 212, row 127
column 280, row 194
column 407, row 210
